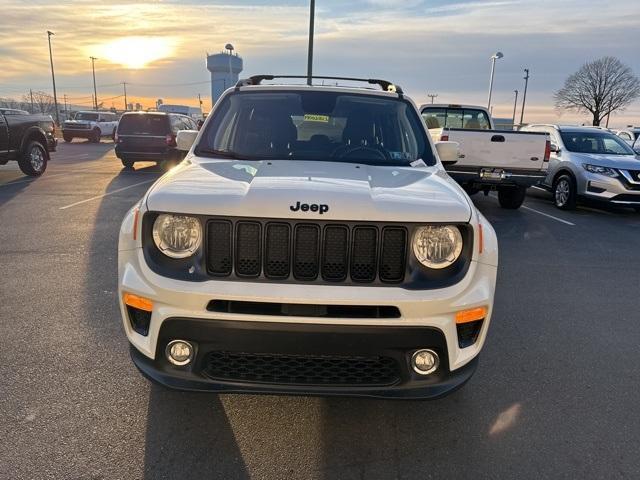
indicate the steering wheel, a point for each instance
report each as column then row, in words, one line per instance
column 346, row 151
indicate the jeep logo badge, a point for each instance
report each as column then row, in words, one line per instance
column 306, row 207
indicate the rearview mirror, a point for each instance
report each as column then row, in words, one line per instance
column 185, row 139
column 554, row 148
column 448, row 152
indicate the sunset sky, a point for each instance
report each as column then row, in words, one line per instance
column 431, row 46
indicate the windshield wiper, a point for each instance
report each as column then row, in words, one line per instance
column 220, row 153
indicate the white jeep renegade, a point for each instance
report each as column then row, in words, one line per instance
column 310, row 243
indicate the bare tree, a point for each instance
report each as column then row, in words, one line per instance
column 43, row 102
column 600, row 87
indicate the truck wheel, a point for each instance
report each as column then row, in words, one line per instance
column 564, row 192
column 511, row 197
column 67, row 138
column 127, row 163
column 95, row 136
column 33, row 161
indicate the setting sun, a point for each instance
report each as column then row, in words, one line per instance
column 136, row 52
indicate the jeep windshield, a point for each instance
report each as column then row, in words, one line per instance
column 316, row 125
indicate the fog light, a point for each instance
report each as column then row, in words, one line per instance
column 425, row 362
column 179, row 352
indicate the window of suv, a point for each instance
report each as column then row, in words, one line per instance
column 316, row 125
column 91, row 117
column 143, row 124
column 596, row 142
column 467, row 118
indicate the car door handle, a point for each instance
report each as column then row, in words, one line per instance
column 497, row 138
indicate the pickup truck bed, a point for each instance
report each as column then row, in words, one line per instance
column 491, row 158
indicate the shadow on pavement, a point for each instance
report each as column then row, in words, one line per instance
column 183, row 432
column 189, row 432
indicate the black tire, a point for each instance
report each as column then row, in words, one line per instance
column 95, row 136
column 511, row 197
column 33, row 160
column 565, row 195
column 67, row 138
column 637, row 209
column 127, row 163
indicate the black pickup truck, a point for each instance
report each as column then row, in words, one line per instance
column 28, row 139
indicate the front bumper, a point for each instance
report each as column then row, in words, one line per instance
column 616, row 190
column 78, row 132
column 427, row 320
column 316, row 346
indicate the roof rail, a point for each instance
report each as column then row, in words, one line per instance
column 384, row 84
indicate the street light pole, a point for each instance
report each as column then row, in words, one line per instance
column 494, row 57
column 124, row 86
column 312, row 14
column 53, row 77
column 432, row 96
column 524, row 95
column 95, row 93
column 515, row 103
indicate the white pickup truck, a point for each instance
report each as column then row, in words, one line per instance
column 502, row 160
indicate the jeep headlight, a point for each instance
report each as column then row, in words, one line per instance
column 606, row 171
column 437, row 246
column 177, row 236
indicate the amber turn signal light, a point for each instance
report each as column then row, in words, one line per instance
column 135, row 301
column 471, row 315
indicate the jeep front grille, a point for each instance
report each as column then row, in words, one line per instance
column 324, row 252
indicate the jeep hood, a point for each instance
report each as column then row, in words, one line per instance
column 268, row 189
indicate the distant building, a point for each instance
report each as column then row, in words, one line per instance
column 225, row 67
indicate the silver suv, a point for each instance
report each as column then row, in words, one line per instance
column 590, row 163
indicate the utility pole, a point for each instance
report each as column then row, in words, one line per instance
column 31, row 95
column 493, row 59
column 312, row 14
column 432, row 96
column 65, row 106
column 524, row 95
column 515, row 103
column 200, row 101
column 95, row 93
column 124, row 86
column 53, row 77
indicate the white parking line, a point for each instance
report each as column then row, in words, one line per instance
column 548, row 216
column 105, row 194
column 541, row 213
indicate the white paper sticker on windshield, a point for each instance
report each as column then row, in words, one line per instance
column 418, row 163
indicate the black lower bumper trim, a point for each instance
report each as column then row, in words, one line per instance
column 291, row 340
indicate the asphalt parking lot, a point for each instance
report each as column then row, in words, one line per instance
column 555, row 395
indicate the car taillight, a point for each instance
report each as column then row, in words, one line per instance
column 444, row 138
column 171, row 140
column 547, row 151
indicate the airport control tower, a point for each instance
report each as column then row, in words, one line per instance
column 225, row 68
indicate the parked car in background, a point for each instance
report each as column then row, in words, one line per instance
column 91, row 125
column 312, row 243
column 13, row 111
column 151, row 136
column 629, row 135
column 28, row 139
column 590, row 163
column 490, row 159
